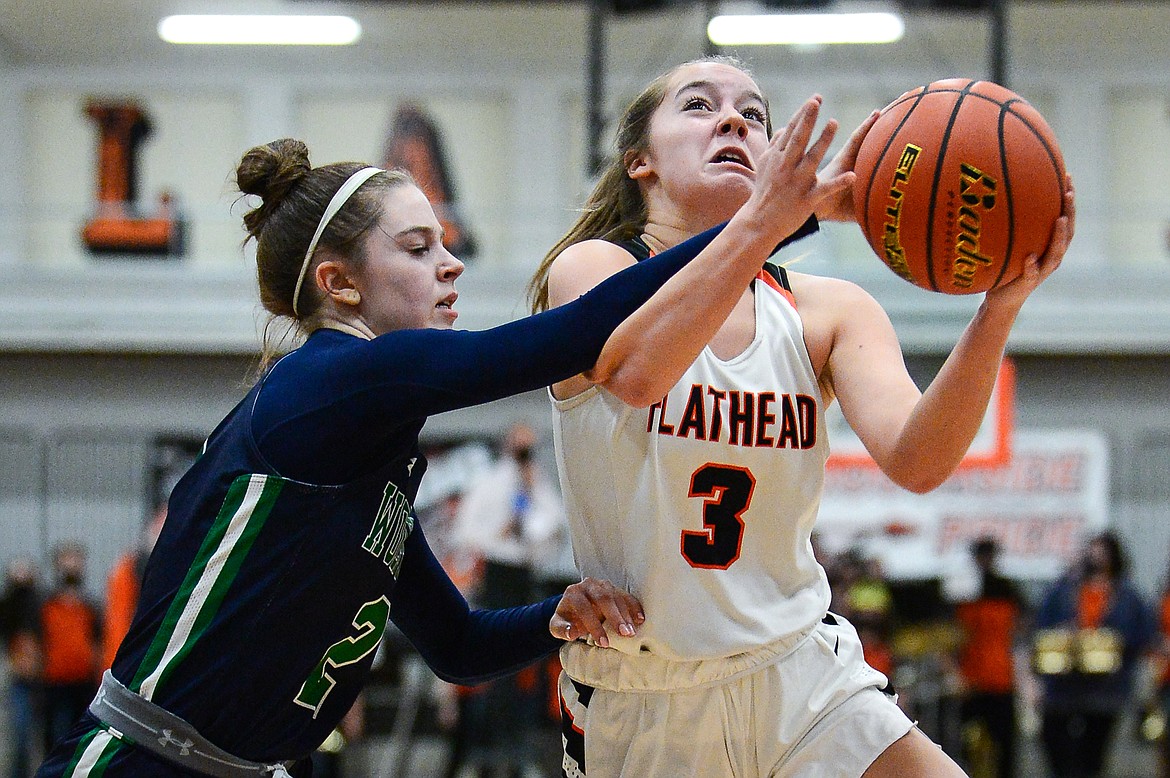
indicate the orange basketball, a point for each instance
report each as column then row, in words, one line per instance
column 957, row 182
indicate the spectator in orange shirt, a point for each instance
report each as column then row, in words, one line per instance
column 989, row 622
column 70, row 638
column 123, row 585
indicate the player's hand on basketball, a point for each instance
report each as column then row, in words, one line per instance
column 594, row 608
column 1038, row 268
column 841, row 208
column 788, row 188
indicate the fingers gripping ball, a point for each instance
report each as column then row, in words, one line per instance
column 957, row 183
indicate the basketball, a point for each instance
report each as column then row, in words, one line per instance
column 957, row 182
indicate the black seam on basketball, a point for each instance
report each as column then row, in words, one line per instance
column 1053, row 157
column 881, row 157
column 973, row 95
column 1057, row 166
column 1004, row 110
column 938, row 170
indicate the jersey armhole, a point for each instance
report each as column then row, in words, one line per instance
column 778, row 273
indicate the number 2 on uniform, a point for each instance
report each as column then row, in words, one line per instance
column 728, row 490
column 370, row 623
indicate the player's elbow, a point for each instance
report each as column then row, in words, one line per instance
column 640, row 399
column 636, row 391
column 633, row 385
column 921, row 485
column 919, row 480
column 914, row 474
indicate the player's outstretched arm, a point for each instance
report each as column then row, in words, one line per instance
column 919, row 439
column 467, row 646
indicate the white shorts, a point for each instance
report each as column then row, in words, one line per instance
column 816, row 711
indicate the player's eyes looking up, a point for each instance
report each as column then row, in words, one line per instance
column 695, row 103
column 752, row 113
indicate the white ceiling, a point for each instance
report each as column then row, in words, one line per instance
column 117, row 33
column 121, row 33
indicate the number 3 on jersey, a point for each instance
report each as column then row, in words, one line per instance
column 728, row 490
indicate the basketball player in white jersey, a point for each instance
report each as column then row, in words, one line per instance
column 692, row 472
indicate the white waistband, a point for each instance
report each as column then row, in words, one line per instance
column 605, row 668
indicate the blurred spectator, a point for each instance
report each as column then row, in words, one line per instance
column 1092, row 629
column 329, row 760
column 1163, row 653
column 457, row 705
column 989, row 621
column 510, row 518
column 123, row 585
column 70, row 625
column 865, row 600
column 20, row 633
column 843, row 570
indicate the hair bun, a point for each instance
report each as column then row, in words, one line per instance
column 270, row 172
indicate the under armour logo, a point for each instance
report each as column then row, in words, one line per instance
column 101, row 696
column 168, row 739
column 410, row 465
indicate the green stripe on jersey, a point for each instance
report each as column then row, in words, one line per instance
column 93, row 755
column 249, row 501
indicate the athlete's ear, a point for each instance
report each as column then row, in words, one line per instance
column 637, row 166
column 334, row 280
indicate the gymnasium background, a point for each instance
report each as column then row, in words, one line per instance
column 113, row 367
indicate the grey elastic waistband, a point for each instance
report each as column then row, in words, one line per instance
column 129, row 716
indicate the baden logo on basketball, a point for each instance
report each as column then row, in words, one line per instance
column 976, row 195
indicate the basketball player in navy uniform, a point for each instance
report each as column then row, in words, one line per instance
column 692, row 472
column 291, row 541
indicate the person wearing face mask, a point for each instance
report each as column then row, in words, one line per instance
column 292, row 542
column 1105, row 627
column 693, row 477
column 510, row 518
column 71, row 643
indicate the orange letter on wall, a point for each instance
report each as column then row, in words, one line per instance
column 116, row 227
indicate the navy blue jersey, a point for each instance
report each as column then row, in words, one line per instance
column 291, row 540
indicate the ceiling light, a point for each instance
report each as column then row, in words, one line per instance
column 812, row 28
column 260, row 30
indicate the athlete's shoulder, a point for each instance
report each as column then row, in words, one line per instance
column 592, row 250
column 582, row 266
column 827, row 292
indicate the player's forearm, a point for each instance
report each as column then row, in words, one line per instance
column 461, row 645
column 495, row 643
column 946, row 419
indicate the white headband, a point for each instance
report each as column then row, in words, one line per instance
column 346, row 191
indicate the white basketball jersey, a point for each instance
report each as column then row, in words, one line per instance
column 703, row 505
